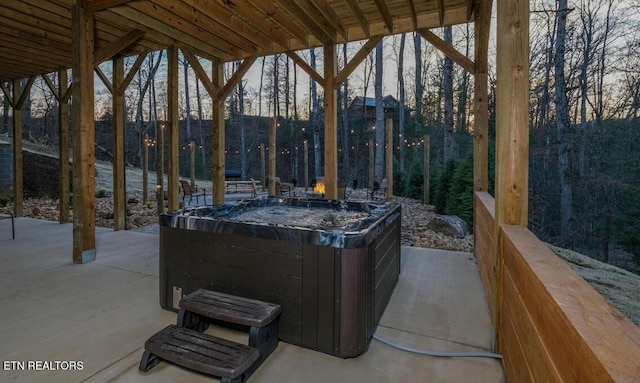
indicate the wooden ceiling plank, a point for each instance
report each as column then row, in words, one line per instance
column 101, row 5
column 248, row 27
column 357, row 59
column 306, row 67
column 31, row 55
column 117, row 46
column 120, row 88
column 37, row 27
column 45, row 18
column 24, row 37
column 384, row 12
column 201, row 73
column 165, row 12
column 281, row 19
column 449, row 50
column 168, row 30
column 105, row 79
column 46, row 54
column 62, row 10
column 201, row 25
column 331, row 16
column 308, row 16
column 360, row 17
column 236, row 77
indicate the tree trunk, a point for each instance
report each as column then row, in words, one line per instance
column 379, row 160
column 562, row 124
column 185, row 64
column 203, row 156
column 401, row 102
column 243, row 138
column 314, row 122
column 417, row 42
column 345, row 115
column 447, row 87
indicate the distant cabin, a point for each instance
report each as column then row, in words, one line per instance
column 367, row 106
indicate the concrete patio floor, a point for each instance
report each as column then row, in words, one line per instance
column 101, row 313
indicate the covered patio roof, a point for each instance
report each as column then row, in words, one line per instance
column 36, row 36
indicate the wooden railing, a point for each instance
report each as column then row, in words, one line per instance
column 552, row 325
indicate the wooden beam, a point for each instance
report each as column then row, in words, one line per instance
column 306, row 67
column 273, row 124
column 217, row 136
column 105, row 80
column 99, row 5
column 24, row 93
column 173, row 159
column 131, row 73
column 448, row 50
column 359, row 15
column 281, row 19
column 414, row 18
column 236, row 77
column 310, row 18
column 330, row 123
column 441, row 11
column 386, row 16
column 209, row 86
column 119, row 192
column 63, row 145
column 388, row 160
column 117, row 46
column 7, row 94
column 481, row 98
column 470, row 9
column 331, row 17
column 51, row 86
column 512, row 125
column 162, row 27
column 18, row 158
column 84, row 206
column 357, row 59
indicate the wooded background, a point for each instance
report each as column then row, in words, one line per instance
column 584, row 124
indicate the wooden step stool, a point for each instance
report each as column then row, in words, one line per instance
column 187, row 346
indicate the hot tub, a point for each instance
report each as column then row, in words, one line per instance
column 331, row 265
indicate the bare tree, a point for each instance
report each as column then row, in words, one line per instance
column 314, row 120
column 379, row 158
column 447, row 86
column 401, row 90
column 419, row 85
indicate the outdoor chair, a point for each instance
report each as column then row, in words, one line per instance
column 379, row 191
column 187, row 190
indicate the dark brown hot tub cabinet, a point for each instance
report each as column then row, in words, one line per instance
column 333, row 283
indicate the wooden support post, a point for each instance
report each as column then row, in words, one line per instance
column 18, row 161
column 512, row 127
column 481, row 97
column 160, row 168
column 426, row 154
column 119, row 214
column 306, row 165
column 262, row 167
column 372, row 157
column 145, row 168
column 272, row 155
column 192, row 161
column 173, row 154
column 330, row 123
column 84, row 197
column 63, row 145
column 218, row 144
column 389, row 158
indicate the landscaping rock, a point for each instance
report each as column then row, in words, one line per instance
column 449, row 225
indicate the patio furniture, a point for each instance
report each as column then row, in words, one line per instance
column 186, row 344
column 187, row 190
column 6, row 214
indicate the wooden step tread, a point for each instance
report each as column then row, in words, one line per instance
column 202, row 352
column 230, row 308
